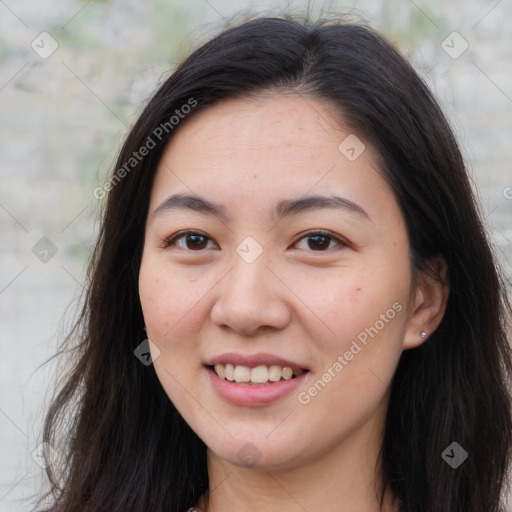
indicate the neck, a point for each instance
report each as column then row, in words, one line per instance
column 343, row 480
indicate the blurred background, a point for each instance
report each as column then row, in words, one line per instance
column 73, row 78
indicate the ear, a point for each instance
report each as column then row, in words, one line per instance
column 429, row 299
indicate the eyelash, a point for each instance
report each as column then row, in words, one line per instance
column 169, row 242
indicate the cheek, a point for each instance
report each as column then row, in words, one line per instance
column 169, row 304
column 360, row 348
column 350, row 300
column 358, row 330
column 168, row 299
column 154, row 297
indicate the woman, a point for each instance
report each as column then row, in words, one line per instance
column 293, row 304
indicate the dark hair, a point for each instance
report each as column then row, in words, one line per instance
column 128, row 449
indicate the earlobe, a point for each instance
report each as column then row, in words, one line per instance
column 429, row 305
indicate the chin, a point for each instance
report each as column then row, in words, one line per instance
column 256, row 454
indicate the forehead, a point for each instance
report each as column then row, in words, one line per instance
column 278, row 121
column 253, row 152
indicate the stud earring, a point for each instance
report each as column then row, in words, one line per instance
column 423, row 335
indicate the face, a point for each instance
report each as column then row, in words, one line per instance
column 254, row 274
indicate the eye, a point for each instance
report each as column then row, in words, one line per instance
column 321, row 240
column 193, row 240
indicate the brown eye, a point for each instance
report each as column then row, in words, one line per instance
column 319, row 241
column 192, row 241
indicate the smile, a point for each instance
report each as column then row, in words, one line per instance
column 247, row 393
column 262, row 374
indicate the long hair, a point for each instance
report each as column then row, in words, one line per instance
column 125, row 446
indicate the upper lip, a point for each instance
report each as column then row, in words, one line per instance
column 253, row 360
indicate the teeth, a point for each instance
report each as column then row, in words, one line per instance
column 274, row 373
column 220, row 370
column 242, row 374
column 229, row 371
column 287, row 373
column 258, row 375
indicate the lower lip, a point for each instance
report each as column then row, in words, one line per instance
column 253, row 395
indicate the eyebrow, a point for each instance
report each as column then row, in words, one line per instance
column 285, row 208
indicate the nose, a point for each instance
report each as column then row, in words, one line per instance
column 251, row 297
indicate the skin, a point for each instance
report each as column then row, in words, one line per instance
column 303, row 302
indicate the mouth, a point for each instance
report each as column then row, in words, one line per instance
column 261, row 375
